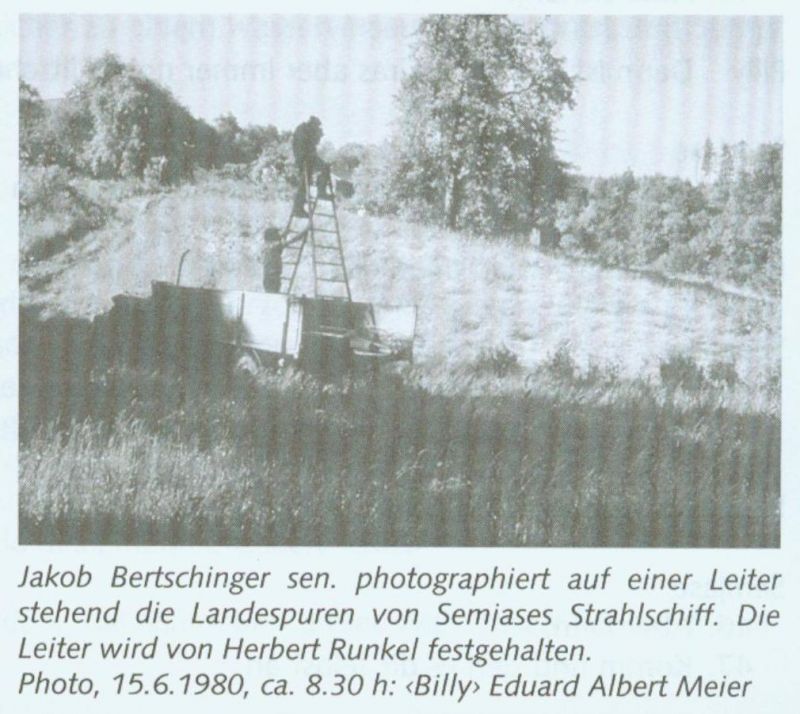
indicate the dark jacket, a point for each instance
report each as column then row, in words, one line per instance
column 305, row 140
column 272, row 267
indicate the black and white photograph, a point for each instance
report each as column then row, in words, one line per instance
column 400, row 280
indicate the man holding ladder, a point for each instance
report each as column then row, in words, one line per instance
column 272, row 257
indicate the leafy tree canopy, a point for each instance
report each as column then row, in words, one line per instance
column 477, row 129
column 128, row 118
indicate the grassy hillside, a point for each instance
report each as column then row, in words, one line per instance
column 472, row 294
column 552, row 402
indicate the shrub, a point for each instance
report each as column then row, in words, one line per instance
column 499, row 361
column 681, row 371
column 605, row 375
column 723, row 374
column 39, row 187
column 53, row 212
column 773, row 383
column 561, row 365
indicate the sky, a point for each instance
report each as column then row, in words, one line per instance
column 651, row 88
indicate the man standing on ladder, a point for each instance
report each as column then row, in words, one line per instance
column 305, row 140
column 321, row 229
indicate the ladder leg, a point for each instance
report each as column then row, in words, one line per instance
column 311, row 208
column 341, row 249
column 293, row 276
column 327, row 255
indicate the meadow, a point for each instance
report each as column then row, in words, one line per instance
column 551, row 402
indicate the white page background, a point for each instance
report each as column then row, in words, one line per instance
column 768, row 656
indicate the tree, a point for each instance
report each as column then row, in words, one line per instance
column 49, row 133
column 477, row 123
column 348, row 158
column 275, row 163
column 729, row 229
column 374, row 177
column 607, row 221
column 669, row 214
column 31, row 123
column 229, row 132
column 707, row 164
column 255, row 140
column 750, row 219
column 31, row 106
column 127, row 119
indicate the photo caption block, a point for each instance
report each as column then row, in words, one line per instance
column 422, row 629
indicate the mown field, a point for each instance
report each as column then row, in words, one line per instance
column 551, row 402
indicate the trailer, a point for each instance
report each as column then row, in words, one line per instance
column 252, row 330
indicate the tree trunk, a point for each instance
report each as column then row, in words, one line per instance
column 455, row 198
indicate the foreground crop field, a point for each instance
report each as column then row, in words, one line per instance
column 547, row 405
column 125, row 457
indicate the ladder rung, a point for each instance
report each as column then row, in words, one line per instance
column 327, row 262
column 325, row 230
column 326, row 247
column 338, row 335
column 325, row 215
column 331, row 280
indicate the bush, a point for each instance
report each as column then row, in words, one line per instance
column 498, row 361
column 681, row 371
column 53, row 213
column 375, row 189
column 773, row 383
column 723, row 374
column 605, row 375
column 561, row 365
column 39, row 188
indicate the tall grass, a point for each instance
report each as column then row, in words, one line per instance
column 127, row 456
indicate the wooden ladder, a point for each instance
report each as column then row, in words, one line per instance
column 321, row 230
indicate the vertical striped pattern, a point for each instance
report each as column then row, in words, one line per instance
column 119, row 444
